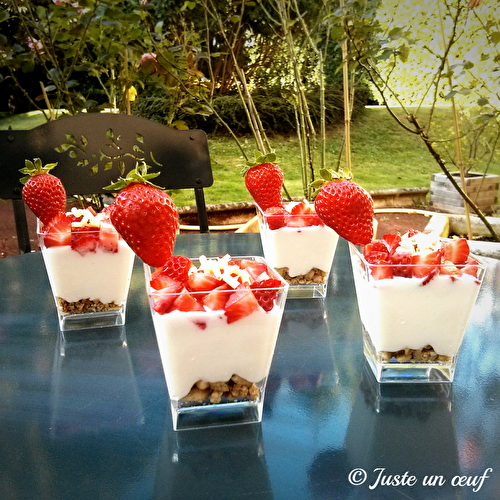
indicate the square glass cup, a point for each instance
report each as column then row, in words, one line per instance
column 413, row 327
column 216, row 372
column 301, row 249
column 90, row 289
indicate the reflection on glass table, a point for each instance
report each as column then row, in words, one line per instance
column 88, row 392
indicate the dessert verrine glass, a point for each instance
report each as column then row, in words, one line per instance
column 413, row 327
column 89, row 267
column 216, row 346
column 300, row 248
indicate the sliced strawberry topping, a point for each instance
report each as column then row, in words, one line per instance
column 58, row 231
column 392, row 241
column 471, row 267
column 241, row 303
column 186, row 302
column 256, row 269
column 456, row 251
column 402, row 264
column 108, row 237
column 216, row 300
column 265, row 292
column 450, row 269
column 375, row 251
column 202, row 282
column 302, row 208
column 275, row 217
column 425, row 262
column 84, row 239
column 164, row 298
column 382, row 270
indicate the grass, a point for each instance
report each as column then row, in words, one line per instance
column 384, row 156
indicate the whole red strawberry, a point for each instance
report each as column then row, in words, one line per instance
column 145, row 216
column 347, row 208
column 42, row 192
column 264, row 182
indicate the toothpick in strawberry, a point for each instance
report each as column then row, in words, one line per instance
column 264, row 181
column 344, row 206
column 42, row 192
column 145, row 216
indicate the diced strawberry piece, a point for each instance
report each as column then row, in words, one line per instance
column 382, row 270
column 164, row 298
column 108, row 238
column 275, row 217
column 392, row 241
column 241, row 303
column 265, row 292
column 202, row 282
column 84, row 239
column 255, row 269
column 375, row 251
column 158, row 282
column 449, row 269
column 296, row 221
column 456, row 251
column 302, row 208
column 401, row 262
column 471, row 267
column 216, row 300
column 177, row 267
column 58, row 231
column 424, row 263
column 185, row 302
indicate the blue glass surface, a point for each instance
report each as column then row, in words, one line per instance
column 86, row 416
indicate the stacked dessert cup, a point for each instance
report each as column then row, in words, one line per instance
column 415, row 310
column 216, row 335
column 89, row 267
column 299, row 247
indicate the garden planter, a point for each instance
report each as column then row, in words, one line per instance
column 482, row 189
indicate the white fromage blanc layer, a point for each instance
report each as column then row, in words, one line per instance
column 402, row 313
column 217, row 352
column 99, row 275
column 300, row 249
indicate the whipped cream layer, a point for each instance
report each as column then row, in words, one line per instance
column 403, row 313
column 218, row 350
column 300, row 248
column 98, row 275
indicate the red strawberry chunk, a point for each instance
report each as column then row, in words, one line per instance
column 382, row 270
column 58, row 231
column 456, row 251
column 392, row 241
column 424, row 263
column 216, row 300
column 185, row 302
column 471, row 267
column 302, row 208
column 108, row 238
column 375, row 251
column 401, row 264
column 202, row 282
column 265, row 292
column 84, row 239
column 241, row 303
column 255, row 269
column 276, row 217
column 164, row 298
column 449, row 269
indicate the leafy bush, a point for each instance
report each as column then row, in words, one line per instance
column 275, row 110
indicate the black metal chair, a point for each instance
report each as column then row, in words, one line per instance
column 92, row 150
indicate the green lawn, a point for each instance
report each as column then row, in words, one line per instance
column 384, row 156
